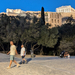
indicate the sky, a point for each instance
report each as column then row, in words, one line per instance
column 34, row 5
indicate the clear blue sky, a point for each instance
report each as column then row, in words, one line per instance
column 34, row 5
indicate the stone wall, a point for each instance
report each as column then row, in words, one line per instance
column 54, row 19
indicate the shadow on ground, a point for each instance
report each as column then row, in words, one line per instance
column 14, row 66
column 28, row 60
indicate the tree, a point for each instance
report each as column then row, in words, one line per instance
column 4, row 23
column 69, row 20
column 31, row 35
column 19, row 29
column 67, row 46
column 48, row 37
column 34, row 19
column 67, row 32
column 11, row 28
column 42, row 16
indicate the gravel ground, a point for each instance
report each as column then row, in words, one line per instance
column 38, row 66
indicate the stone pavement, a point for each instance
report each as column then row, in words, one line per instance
column 39, row 66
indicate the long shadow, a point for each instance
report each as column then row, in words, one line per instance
column 15, row 66
column 28, row 60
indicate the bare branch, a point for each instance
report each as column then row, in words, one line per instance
column 37, row 47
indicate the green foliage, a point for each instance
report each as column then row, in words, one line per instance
column 19, row 28
column 48, row 37
column 46, row 14
column 34, row 19
column 69, row 20
column 67, row 32
column 50, row 53
column 67, row 46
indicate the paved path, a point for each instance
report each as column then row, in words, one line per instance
column 39, row 66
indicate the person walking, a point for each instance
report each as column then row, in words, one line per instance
column 23, row 53
column 12, row 52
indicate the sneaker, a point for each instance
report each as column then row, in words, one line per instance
column 8, row 67
column 23, row 62
column 18, row 65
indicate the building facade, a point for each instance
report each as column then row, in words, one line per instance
column 65, row 9
column 54, row 19
column 60, row 16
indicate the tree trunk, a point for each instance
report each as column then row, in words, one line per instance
column 1, row 44
column 8, row 47
column 32, row 46
column 26, row 45
column 17, row 43
column 53, row 53
column 41, row 51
